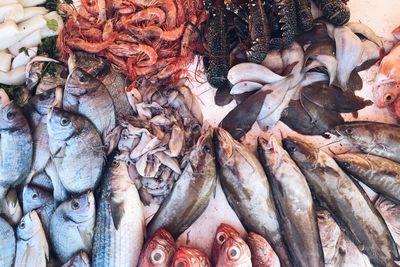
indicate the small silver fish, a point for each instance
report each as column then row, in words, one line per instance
column 7, row 244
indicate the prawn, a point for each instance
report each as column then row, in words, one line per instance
column 130, row 50
column 166, row 35
column 168, row 6
column 148, row 14
column 107, row 30
column 80, row 44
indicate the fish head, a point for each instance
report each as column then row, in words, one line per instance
column 79, row 83
column 234, row 252
column 261, row 251
column 80, row 209
column 62, row 125
column 224, row 144
column 11, row 118
column 159, row 250
column 43, row 102
column 350, row 161
column 304, row 154
column 359, row 133
column 272, row 150
column 28, row 226
column 224, row 232
column 385, row 91
column 204, row 145
column 34, row 197
column 189, row 257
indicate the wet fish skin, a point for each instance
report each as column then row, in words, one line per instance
column 7, row 244
column 374, row 138
column 15, row 146
column 390, row 212
column 80, row 259
column 247, row 190
column 186, row 256
column 262, row 254
column 74, row 137
column 86, row 95
column 10, row 209
column 72, row 226
column 120, row 225
column 348, row 204
column 191, row 193
column 158, row 250
column 294, row 203
column 32, row 246
column 42, row 180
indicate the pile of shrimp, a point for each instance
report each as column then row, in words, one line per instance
column 144, row 39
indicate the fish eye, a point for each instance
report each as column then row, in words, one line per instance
column 292, row 148
column 115, row 163
column 43, row 97
column 206, row 149
column 389, row 98
column 65, row 121
column 196, row 128
column 180, row 264
column 157, row 256
column 348, row 130
column 22, row 225
column 83, row 77
column 221, row 237
column 346, row 165
column 10, row 115
column 234, row 253
column 34, row 196
column 75, row 205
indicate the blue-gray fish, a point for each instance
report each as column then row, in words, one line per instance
column 86, row 95
column 36, row 198
column 10, row 209
column 77, row 150
column 7, row 244
column 120, row 224
column 42, row 180
column 80, row 259
column 32, row 246
column 15, row 146
column 72, row 226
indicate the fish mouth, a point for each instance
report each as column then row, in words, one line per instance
column 224, row 141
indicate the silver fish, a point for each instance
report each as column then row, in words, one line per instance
column 7, row 244
column 191, row 193
column 86, row 95
column 120, row 224
column 80, row 259
column 77, row 150
column 32, row 247
column 348, row 204
column 294, row 202
column 10, row 208
column 72, row 226
column 247, row 190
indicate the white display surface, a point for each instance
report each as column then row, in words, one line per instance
column 382, row 16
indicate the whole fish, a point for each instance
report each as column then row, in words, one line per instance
column 195, row 186
column 247, row 190
column 15, row 145
column 262, row 254
column 380, row 174
column 77, row 150
column 32, row 247
column 120, row 225
column 80, row 259
column 158, row 250
column 294, row 203
column 391, row 213
column 190, row 257
column 72, row 226
column 348, row 204
column 374, row 138
column 7, row 244
column 86, row 95
column 35, row 198
column 10, row 209
column 224, row 232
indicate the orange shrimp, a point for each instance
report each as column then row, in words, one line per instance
column 107, row 30
column 119, row 62
column 90, row 6
column 80, row 44
column 130, row 50
column 168, row 6
column 174, row 34
column 187, row 36
column 148, row 14
column 93, row 34
column 173, row 67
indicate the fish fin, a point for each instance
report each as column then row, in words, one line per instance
column 223, row 96
column 117, row 212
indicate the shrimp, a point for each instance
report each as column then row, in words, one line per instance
column 173, row 67
column 168, row 6
column 119, row 62
column 80, row 44
column 187, row 36
column 93, row 34
column 90, row 7
column 130, row 50
column 101, row 8
column 148, row 14
column 107, row 30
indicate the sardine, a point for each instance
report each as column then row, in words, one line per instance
column 294, row 203
column 186, row 256
column 7, row 244
column 35, row 198
column 262, row 254
column 120, row 224
column 158, row 250
column 10, row 209
column 80, row 259
column 72, row 226
column 32, row 247
column 247, row 190
column 374, row 138
column 191, row 193
column 86, row 95
column 77, row 150
column 348, row 204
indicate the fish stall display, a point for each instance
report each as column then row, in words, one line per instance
column 226, row 133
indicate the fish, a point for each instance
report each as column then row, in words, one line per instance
column 35, row 198
column 262, row 254
column 346, row 201
column 379, row 139
column 246, row 188
column 386, row 86
column 10, row 208
column 195, row 186
column 32, row 247
column 72, row 226
column 158, row 250
column 80, row 259
column 42, row 180
column 223, row 233
column 294, row 203
column 60, row 193
column 72, row 137
column 381, row 174
column 7, row 244
column 86, row 95
column 120, row 222
column 15, row 146
column 390, row 211
column 190, row 257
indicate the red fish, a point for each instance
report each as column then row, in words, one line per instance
column 158, row 251
column 224, row 232
column 262, row 254
column 190, row 257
